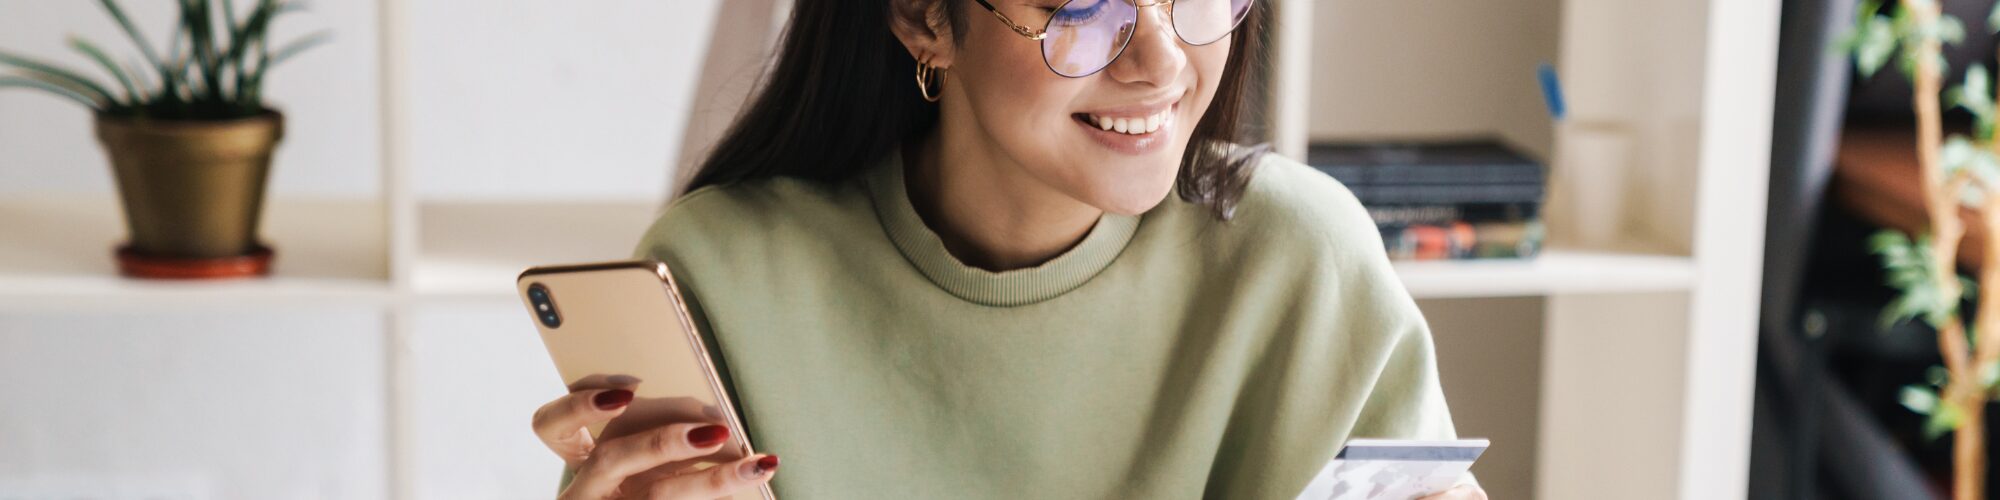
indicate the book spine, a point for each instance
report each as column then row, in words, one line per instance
column 1461, row 240
column 1448, row 195
column 1446, row 213
column 1393, row 174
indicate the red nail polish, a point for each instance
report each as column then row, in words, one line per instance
column 612, row 399
column 767, row 464
column 706, row 436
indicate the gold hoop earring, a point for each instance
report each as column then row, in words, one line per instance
column 924, row 73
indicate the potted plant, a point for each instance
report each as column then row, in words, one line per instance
column 1958, row 173
column 188, row 135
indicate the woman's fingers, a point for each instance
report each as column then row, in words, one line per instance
column 719, row 481
column 621, row 458
column 563, row 424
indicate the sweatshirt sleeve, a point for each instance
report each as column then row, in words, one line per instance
column 1407, row 400
column 1351, row 355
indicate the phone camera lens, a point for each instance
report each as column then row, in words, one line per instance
column 543, row 306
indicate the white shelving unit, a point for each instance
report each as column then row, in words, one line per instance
column 476, row 249
column 335, row 251
column 1695, row 291
column 58, row 256
column 1659, row 335
column 1556, row 272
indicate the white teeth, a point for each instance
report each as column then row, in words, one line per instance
column 1134, row 126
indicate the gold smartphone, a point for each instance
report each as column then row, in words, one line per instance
column 627, row 318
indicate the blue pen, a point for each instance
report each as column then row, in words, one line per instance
column 1552, row 91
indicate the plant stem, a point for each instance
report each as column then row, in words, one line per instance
column 1969, row 444
column 1941, row 201
column 1969, row 451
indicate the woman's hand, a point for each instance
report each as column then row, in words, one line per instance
column 648, row 464
column 1461, row 492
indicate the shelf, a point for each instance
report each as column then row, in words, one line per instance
column 55, row 252
column 1555, row 272
column 475, row 249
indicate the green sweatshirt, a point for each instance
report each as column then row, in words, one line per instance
column 1168, row 355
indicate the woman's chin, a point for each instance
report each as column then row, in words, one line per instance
column 1130, row 201
column 1123, row 186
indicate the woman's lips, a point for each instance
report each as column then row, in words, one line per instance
column 1132, row 134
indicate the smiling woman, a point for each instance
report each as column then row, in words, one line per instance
column 841, row 61
column 980, row 283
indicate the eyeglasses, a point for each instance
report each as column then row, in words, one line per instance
column 1082, row 37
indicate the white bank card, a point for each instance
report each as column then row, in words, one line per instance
column 1391, row 469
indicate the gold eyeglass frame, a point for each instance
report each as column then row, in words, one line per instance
column 1039, row 35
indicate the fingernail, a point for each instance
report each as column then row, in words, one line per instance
column 612, row 399
column 706, row 436
column 759, row 467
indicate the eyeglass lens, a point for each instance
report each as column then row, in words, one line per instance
column 1084, row 36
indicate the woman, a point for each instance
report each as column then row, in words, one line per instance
column 1043, row 269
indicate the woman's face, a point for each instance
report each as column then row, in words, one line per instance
column 1053, row 128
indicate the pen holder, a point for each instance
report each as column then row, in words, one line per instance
column 1592, row 166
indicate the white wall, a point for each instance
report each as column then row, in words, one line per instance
column 201, row 404
column 1428, row 68
column 507, row 99
column 512, row 99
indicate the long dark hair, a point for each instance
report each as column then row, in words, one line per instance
column 841, row 96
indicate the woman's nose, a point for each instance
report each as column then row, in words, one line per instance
column 1155, row 55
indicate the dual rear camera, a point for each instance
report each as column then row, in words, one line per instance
column 543, row 305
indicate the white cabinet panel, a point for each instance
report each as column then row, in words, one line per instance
column 475, row 374
column 238, row 405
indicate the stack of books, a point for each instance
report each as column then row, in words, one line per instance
column 1443, row 200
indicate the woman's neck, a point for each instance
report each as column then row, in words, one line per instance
column 990, row 213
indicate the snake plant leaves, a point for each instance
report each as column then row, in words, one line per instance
column 95, row 54
column 58, row 76
column 138, row 38
column 206, row 72
column 57, row 90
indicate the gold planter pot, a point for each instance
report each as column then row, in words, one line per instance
column 193, row 192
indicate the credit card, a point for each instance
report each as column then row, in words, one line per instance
column 1393, row 469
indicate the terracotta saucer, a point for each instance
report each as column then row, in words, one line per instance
column 134, row 264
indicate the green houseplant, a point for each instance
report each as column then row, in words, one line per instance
column 188, row 133
column 1959, row 172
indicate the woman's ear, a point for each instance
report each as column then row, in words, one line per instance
column 924, row 28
